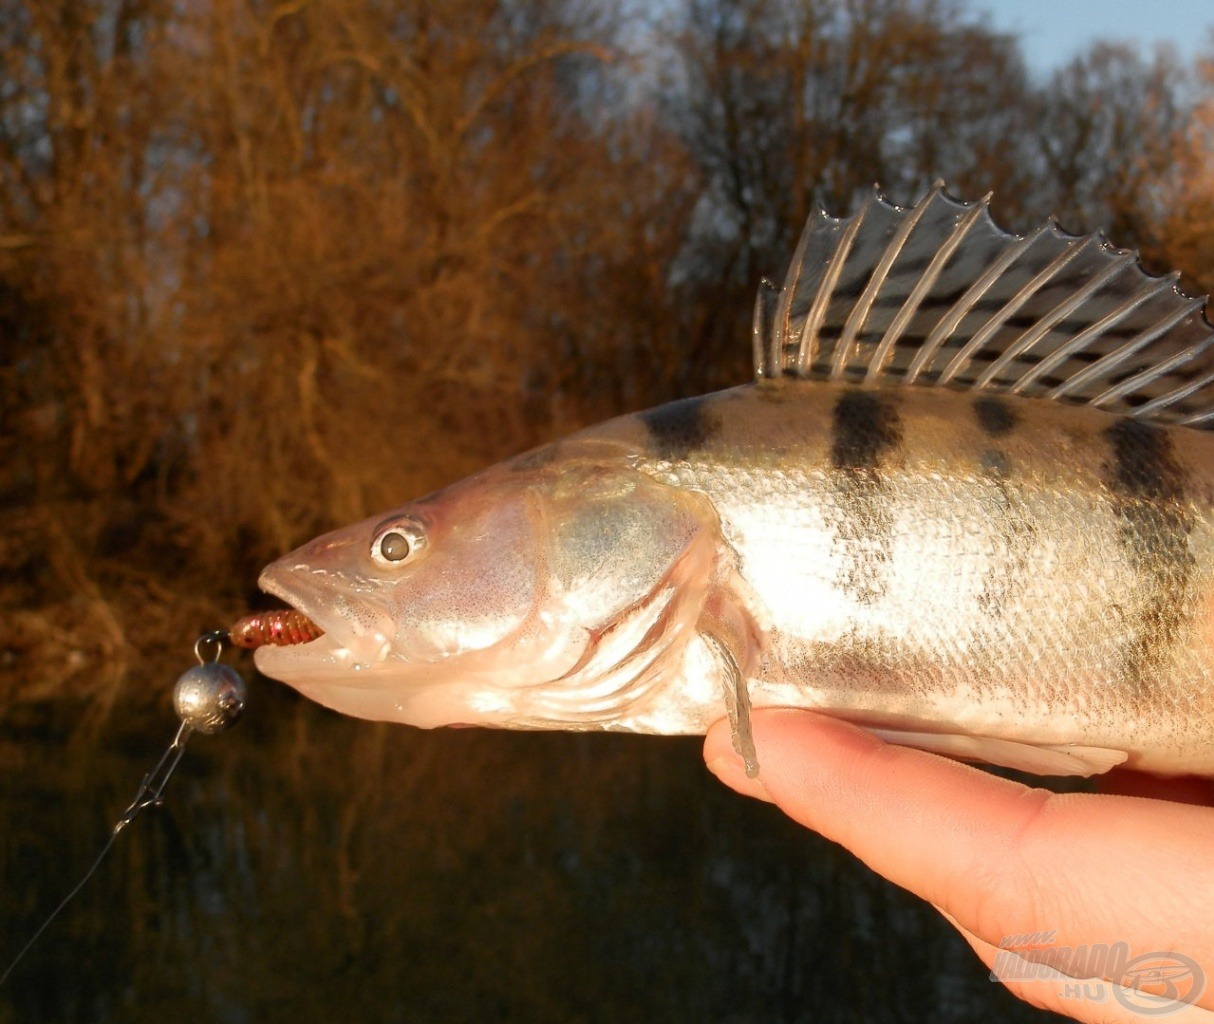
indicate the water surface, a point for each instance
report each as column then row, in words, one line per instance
column 308, row 867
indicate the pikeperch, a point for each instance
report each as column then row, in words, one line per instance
column 968, row 503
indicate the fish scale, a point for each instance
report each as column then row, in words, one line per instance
column 967, row 503
column 949, row 541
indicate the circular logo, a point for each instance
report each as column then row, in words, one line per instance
column 1155, row 984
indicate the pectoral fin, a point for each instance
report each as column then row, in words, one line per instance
column 1067, row 759
column 737, row 703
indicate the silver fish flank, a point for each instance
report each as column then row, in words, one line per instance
column 968, row 503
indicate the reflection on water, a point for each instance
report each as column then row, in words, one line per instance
column 308, row 867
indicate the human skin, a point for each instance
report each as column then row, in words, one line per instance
column 998, row 858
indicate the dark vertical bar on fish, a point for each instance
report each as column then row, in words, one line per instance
column 1148, row 487
column 865, row 429
column 1015, row 531
column 679, row 428
column 995, row 416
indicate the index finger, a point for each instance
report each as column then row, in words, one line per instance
column 999, row 857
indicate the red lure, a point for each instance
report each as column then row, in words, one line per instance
column 279, row 628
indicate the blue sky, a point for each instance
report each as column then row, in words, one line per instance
column 1053, row 31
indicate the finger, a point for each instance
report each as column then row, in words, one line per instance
column 1001, row 858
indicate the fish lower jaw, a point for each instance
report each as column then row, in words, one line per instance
column 384, row 696
column 324, row 656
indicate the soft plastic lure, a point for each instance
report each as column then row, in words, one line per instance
column 277, row 627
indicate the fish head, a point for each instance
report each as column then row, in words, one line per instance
column 465, row 606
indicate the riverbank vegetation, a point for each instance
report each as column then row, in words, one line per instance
column 266, row 268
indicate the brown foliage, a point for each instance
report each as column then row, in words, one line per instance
column 269, row 267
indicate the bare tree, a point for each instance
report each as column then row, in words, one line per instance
column 266, row 266
column 791, row 103
column 291, row 262
column 1105, row 132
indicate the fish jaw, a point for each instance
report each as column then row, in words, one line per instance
column 357, row 630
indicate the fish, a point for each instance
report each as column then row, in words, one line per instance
column 967, row 503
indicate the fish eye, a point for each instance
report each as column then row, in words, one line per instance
column 394, row 546
column 397, row 541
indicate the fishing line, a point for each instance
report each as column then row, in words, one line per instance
column 208, row 698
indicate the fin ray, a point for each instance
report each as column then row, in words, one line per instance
column 920, row 291
column 834, row 268
column 938, row 294
column 860, row 311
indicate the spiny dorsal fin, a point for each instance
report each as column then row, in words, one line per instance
column 939, row 294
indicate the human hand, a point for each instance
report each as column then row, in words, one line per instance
column 1000, row 859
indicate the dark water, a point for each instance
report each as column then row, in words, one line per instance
column 308, row 867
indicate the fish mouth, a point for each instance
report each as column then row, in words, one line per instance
column 354, row 634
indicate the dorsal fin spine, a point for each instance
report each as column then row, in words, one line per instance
column 761, row 328
column 1197, row 418
column 1147, row 376
column 1059, row 313
column 826, row 287
column 1093, row 330
column 1107, row 364
column 976, row 291
column 859, row 314
column 1178, row 394
column 783, row 317
column 919, row 292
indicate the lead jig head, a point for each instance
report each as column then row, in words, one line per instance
column 209, row 697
